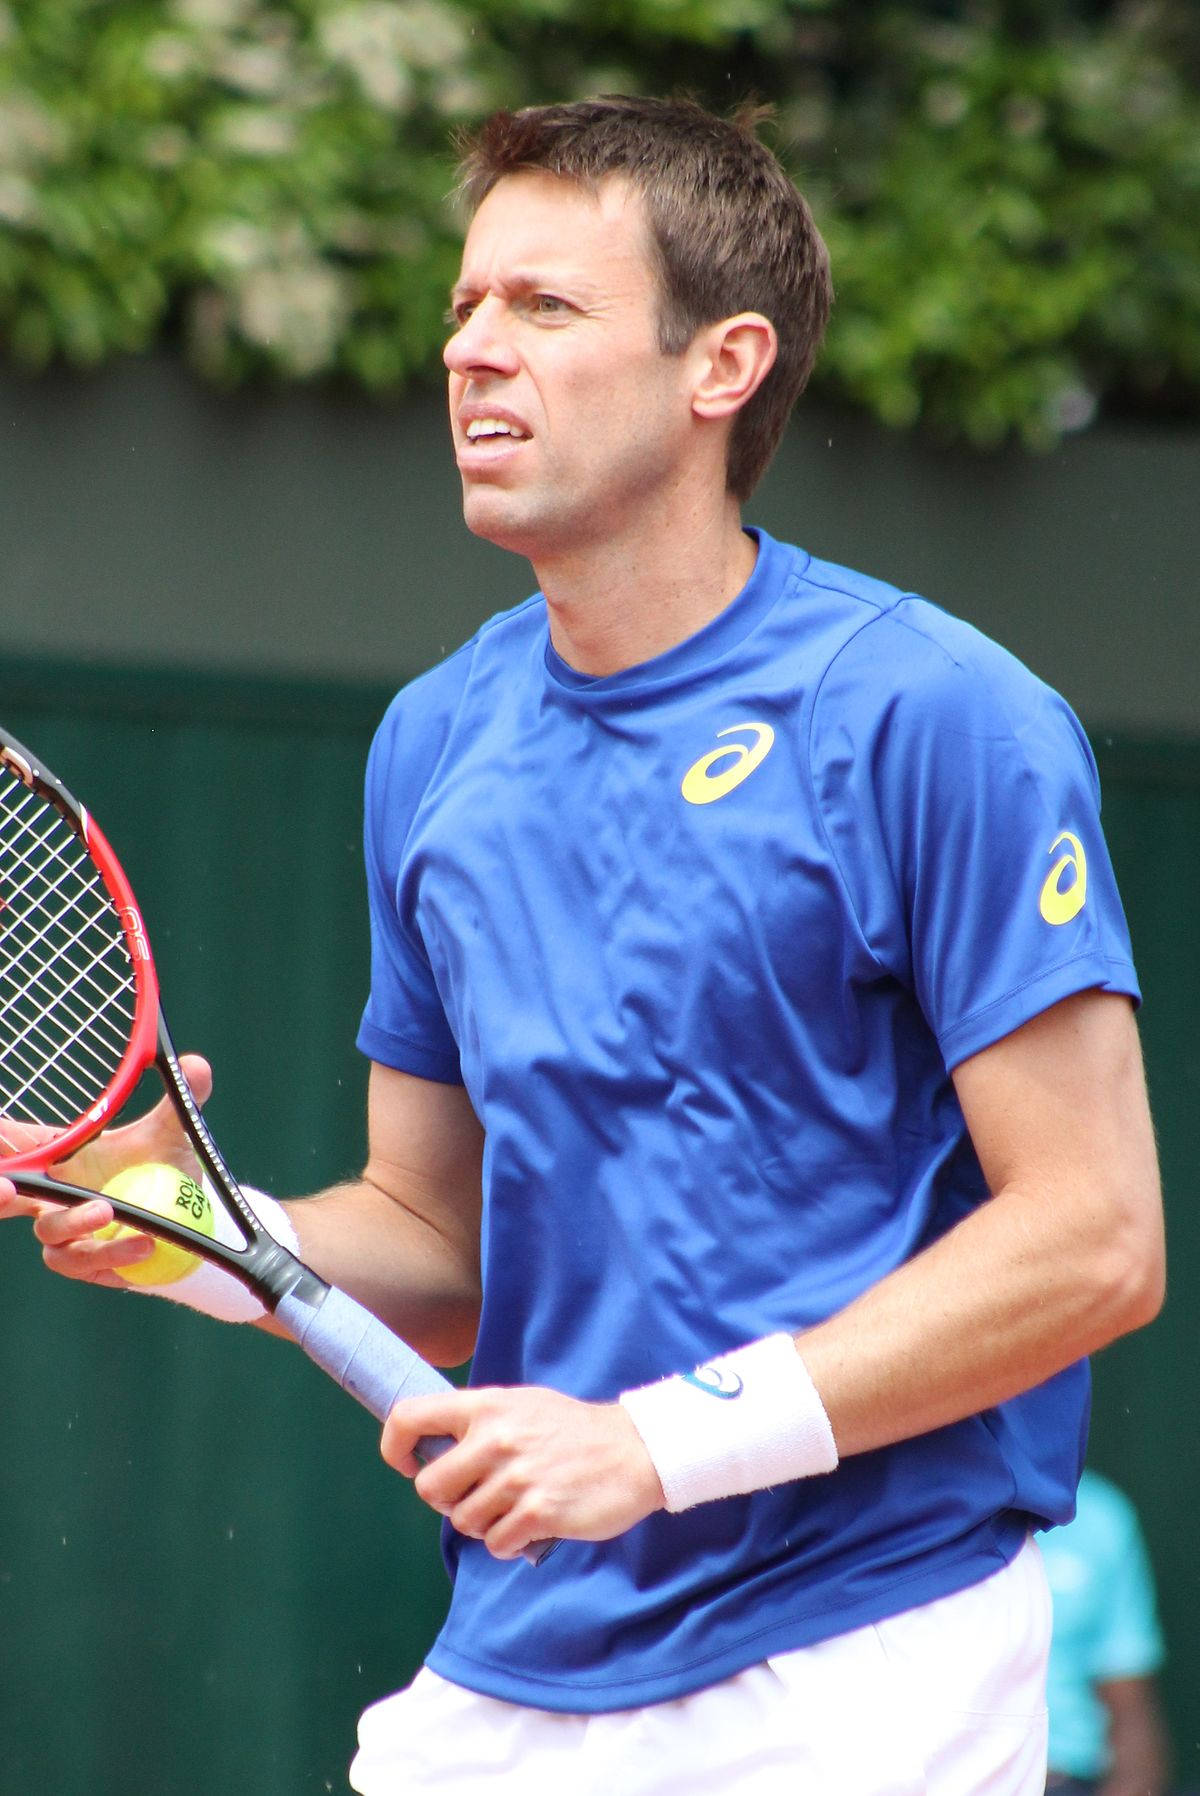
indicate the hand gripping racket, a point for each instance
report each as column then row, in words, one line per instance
column 81, row 1021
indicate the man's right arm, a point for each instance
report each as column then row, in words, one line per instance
column 403, row 1239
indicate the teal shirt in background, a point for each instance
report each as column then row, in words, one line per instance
column 1105, row 1621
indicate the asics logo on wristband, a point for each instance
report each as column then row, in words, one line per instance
column 715, row 1382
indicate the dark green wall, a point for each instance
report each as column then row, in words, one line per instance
column 205, row 1570
column 1146, row 1386
column 146, row 521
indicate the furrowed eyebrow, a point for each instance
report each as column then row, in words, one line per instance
column 523, row 281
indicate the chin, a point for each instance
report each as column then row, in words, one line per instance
column 492, row 516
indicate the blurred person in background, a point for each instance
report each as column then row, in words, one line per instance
column 1108, row 1736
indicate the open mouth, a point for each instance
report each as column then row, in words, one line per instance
column 481, row 430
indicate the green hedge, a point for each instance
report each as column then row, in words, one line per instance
column 1010, row 191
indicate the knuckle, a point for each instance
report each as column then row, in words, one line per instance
column 426, row 1485
column 505, row 1439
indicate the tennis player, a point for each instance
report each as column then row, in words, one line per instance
column 755, row 1081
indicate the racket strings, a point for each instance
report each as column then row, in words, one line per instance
column 67, row 989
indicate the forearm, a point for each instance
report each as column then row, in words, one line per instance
column 422, row 1280
column 1135, row 1783
column 1137, row 1739
column 1011, row 1295
column 1066, row 1256
column 404, row 1239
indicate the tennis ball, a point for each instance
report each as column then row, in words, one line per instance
column 164, row 1191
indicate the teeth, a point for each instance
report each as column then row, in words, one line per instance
column 491, row 427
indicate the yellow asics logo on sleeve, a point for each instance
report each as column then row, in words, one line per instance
column 1060, row 902
column 701, row 785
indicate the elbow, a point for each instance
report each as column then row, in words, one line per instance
column 1148, row 1290
column 445, row 1335
column 1133, row 1286
column 451, row 1347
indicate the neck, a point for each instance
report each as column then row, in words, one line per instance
column 617, row 604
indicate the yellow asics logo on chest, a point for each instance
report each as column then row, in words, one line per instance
column 1060, row 902
column 701, row 785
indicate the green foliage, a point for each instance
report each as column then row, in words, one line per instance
column 1010, row 190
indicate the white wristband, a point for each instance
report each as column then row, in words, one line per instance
column 750, row 1419
column 212, row 1290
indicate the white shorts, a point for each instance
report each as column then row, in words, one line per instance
column 944, row 1700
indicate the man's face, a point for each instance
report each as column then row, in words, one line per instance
column 571, row 428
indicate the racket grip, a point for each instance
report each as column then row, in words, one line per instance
column 373, row 1365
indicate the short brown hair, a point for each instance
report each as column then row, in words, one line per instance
column 729, row 228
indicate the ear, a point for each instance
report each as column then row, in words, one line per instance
column 736, row 355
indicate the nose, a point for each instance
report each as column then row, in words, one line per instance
column 481, row 344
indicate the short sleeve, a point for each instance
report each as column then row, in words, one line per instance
column 962, row 804
column 404, row 1023
column 1128, row 1641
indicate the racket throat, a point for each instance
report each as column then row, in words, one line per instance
column 274, row 1273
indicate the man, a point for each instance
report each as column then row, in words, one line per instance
column 743, row 928
column 1108, row 1735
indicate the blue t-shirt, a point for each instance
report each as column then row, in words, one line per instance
column 1105, row 1621
column 701, row 939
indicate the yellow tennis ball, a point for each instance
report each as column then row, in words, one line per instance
column 164, row 1191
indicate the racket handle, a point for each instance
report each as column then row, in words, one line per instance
column 373, row 1365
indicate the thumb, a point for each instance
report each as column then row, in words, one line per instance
column 157, row 1135
column 198, row 1074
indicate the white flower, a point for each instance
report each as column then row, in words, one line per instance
column 383, row 41
column 1071, row 408
column 165, row 146
column 169, row 54
column 259, row 69
column 29, row 132
column 232, row 246
column 212, row 15
column 18, row 200
column 946, row 102
column 256, row 131
column 297, row 312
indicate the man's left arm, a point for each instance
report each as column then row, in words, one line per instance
column 1066, row 1256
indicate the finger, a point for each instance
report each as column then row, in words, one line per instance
column 506, row 1516
column 157, row 1135
column 72, row 1248
column 482, row 1509
column 444, row 1482
column 95, row 1263
column 422, row 1418
column 23, row 1137
column 513, row 1532
column 198, row 1073
column 15, row 1203
column 58, row 1227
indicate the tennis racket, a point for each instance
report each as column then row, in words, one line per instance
column 81, row 1020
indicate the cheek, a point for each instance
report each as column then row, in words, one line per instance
column 634, row 407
